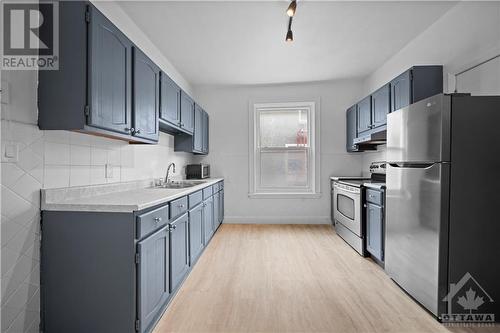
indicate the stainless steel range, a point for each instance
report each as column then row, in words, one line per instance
column 347, row 205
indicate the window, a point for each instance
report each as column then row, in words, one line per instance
column 284, row 151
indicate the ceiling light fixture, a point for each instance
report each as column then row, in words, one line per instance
column 291, row 8
column 289, row 34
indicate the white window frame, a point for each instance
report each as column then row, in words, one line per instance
column 313, row 188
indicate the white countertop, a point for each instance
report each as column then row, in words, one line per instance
column 106, row 198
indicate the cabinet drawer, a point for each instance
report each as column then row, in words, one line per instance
column 150, row 221
column 375, row 197
column 207, row 192
column 215, row 188
column 195, row 199
column 177, row 207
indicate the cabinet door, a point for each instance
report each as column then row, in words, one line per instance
column 187, row 112
column 152, row 276
column 381, row 106
column 208, row 215
column 195, row 232
column 179, row 251
column 364, row 115
column 146, row 92
column 205, row 132
column 375, row 232
column 221, row 206
column 401, row 91
column 215, row 222
column 170, row 98
column 351, row 129
column 198, row 129
column 110, row 67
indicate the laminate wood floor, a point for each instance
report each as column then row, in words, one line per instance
column 292, row 278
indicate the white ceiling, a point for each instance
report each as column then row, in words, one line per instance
column 234, row 42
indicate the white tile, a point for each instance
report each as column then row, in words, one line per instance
column 9, row 260
column 23, row 321
column 28, row 159
column 80, row 139
column 56, row 176
column 10, row 173
column 127, row 156
column 8, row 316
column 79, row 175
column 8, row 229
column 114, row 156
column 12, row 204
column 79, row 155
column 23, row 240
column 99, row 156
column 116, row 175
column 55, row 136
column 28, row 188
column 56, row 153
column 23, row 269
column 97, row 175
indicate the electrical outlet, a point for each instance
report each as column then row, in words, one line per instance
column 10, row 152
column 109, row 171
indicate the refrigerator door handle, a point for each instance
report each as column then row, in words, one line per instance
column 411, row 165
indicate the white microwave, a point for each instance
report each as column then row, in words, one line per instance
column 197, row 171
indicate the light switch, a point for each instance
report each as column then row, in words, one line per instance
column 10, row 152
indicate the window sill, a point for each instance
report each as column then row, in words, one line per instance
column 284, row 195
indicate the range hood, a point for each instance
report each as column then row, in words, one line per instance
column 376, row 137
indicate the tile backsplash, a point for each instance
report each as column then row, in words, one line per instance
column 378, row 155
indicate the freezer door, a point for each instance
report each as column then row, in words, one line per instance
column 420, row 132
column 414, row 226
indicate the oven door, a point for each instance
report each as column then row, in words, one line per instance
column 347, row 207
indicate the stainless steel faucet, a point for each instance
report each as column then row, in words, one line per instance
column 167, row 176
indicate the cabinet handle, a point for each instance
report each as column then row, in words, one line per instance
column 137, row 132
column 371, row 196
column 157, row 219
column 181, row 206
column 172, row 227
column 129, row 129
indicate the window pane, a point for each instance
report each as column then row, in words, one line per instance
column 284, row 169
column 283, row 128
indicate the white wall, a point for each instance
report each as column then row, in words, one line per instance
column 58, row 159
column 229, row 139
column 466, row 35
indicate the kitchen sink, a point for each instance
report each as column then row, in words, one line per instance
column 180, row 184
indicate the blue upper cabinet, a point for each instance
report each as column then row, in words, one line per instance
column 205, row 132
column 198, row 129
column 146, row 89
column 400, row 91
column 187, row 112
column 365, row 115
column 170, row 98
column 381, row 106
column 110, row 75
column 351, row 129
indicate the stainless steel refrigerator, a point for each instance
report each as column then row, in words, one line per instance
column 441, row 221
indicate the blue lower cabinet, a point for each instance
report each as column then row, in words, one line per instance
column 196, row 243
column 221, row 204
column 216, row 221
column 375, row 231
column 208, row 216
column 179, row 250
column 152, row 277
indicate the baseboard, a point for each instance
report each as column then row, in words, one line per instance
column 277, row 220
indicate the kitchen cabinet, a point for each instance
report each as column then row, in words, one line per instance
column 415, row 84
column 179, row 250
column 152, row 276
column 170, row 98
column 196, row 237
column 375, row 223
column 110, row 65
column 208, row 216
column 351, row 129
column 92, row 91
column 198, row 129
column 146, row 89
column 364, row 108
column 205, row 132
column 216, row 220
column 381, row 106
column 187, row 113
